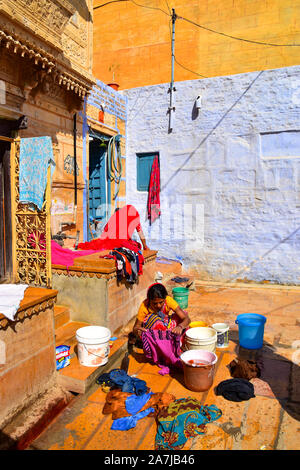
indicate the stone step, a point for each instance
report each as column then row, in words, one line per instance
column 29, row 424
column 77, row 378
column 66, row 334
column 61, row 315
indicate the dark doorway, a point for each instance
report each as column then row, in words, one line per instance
column 98, row 187
column 5, row 213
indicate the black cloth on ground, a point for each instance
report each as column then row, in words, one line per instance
column 235, row 389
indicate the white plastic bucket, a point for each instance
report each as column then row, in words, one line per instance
column 201, row 338
column 93, row 345
column 222, row 330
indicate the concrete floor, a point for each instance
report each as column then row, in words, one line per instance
column 270, row 421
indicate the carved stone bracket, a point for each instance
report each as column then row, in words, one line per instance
column 37, row 80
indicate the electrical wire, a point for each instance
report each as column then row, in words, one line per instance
column 151, row 8
column 262, row 43
column 235, row 37
column 107, row 3
column 178, row 63
column 192, row 71
column 135, row 3
column 168, row 7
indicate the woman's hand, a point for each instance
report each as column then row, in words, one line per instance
column 177, row 330
column 138, row 331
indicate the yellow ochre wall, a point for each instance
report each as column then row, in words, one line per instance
column 132, row 44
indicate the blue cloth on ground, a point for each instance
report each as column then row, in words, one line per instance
column 128, row 384
column 36, row 154
column 134, row 403
column 129, row 422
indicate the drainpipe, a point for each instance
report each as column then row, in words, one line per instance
column 69, row 224
column 75, row 166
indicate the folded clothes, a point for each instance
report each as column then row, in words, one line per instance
column 235, row 389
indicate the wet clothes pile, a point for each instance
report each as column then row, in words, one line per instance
column 129, row 263
column 126, row 409
column 129, row 399
column 118, row 378
column 182, row 419
column 163, row 348
column 244, row 369
column 239, row 388
column 235, row 389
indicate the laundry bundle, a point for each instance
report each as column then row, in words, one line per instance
column 118, row 378
column 127, row 409
column 235, row 389
column 182, row 419
column 244, row 369
column 128, row 263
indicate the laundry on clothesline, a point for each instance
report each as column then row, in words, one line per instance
column 36, row 154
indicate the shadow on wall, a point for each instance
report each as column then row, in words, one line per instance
column 194, row 116
column 281, row 374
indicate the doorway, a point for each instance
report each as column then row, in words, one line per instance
column 99, row 187
column 5, row 212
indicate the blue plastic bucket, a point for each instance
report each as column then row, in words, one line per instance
column 251, row 330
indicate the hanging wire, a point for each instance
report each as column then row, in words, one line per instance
column 178, row 63
column 137, row 4
column 235, row 37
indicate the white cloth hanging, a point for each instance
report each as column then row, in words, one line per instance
column 10, row 298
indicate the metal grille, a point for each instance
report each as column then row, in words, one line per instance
column 30, row 233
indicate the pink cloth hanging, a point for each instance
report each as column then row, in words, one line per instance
column 163, row 348
column 64, row 256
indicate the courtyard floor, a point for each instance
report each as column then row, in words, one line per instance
column 270, row 421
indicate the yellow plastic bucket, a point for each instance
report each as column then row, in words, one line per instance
column 196, row 324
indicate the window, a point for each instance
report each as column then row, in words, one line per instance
column 143, row 166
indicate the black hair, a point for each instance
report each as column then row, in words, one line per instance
column 157, row 291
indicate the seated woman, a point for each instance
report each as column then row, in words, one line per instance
column 160, row 312
column 159, row 325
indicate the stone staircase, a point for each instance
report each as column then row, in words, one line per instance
column 75, row 377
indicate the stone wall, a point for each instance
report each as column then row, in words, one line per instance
column 235, row 162
column 28, row 366
column 137, row 36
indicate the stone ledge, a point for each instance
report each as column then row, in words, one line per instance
column 36, row 299
column 92, row 266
